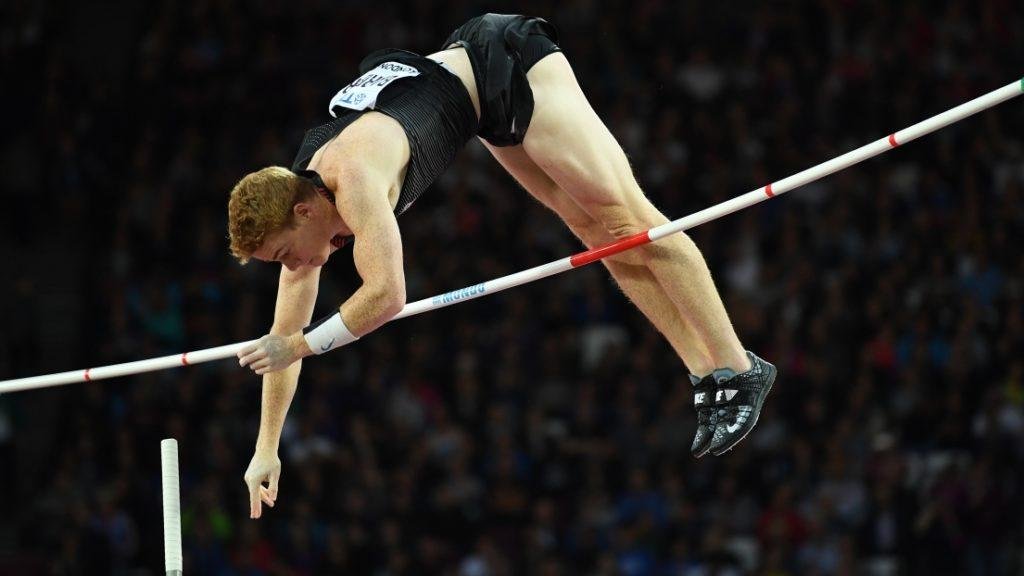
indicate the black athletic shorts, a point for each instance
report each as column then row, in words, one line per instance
column 502, row 48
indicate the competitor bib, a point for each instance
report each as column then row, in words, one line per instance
column 362, row 93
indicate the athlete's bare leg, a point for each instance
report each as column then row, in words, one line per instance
column 573, row 147
column 627, row 268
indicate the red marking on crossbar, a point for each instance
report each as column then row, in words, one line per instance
column 892, row 140
column 595, row 254
column 184, row 359
column 768, row 191
column 86, row 375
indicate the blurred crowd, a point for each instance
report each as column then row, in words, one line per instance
column 545, row 430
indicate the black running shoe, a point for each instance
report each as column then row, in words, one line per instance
column 704, row 402
column 738, row 398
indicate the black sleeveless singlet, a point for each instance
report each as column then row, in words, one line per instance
column 433, row 108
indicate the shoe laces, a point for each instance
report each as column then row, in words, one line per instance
column 707, row 415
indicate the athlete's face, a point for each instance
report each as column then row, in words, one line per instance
column 309, row 243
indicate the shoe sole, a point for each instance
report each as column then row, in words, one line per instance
column 771, row 382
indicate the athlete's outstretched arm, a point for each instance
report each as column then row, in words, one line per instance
column 364, row 205
column 296, row 295
column 377, row 252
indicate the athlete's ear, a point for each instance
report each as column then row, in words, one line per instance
column 303, row 210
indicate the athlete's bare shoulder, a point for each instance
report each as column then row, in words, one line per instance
column 373, row 148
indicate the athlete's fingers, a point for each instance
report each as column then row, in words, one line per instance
column 275, row 476
column 262, row 366
column 254, row 499
column 247, row 350
column 253, row 356
column 265, row 497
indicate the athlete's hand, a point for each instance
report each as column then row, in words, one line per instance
column 274, row 352
column 264, row 467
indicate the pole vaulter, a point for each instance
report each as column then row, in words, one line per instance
column 760, row 194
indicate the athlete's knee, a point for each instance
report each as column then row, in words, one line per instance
column 672, row 247
column 589, row 231
column 623, row 221
column 593, row 235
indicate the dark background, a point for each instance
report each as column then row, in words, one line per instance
column 544, row 430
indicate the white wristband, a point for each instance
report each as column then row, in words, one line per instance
column 329, row 334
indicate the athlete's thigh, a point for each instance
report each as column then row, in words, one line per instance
column 517, row 163
column 520, row 166
column 572, row 145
